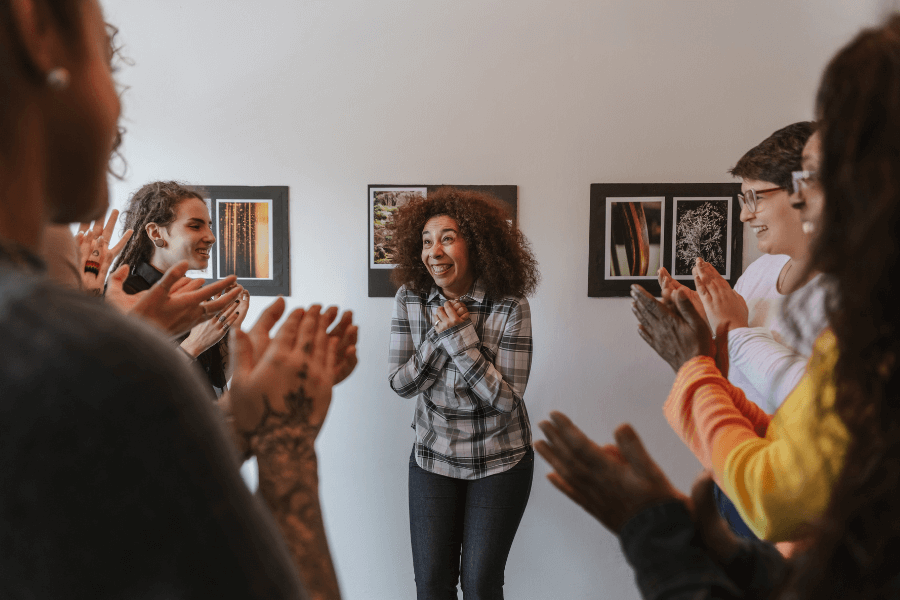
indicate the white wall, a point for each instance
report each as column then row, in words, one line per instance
column 329, row 96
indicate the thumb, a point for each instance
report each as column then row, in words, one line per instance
column 633, row 450
column 119, row 276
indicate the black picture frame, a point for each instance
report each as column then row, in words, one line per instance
column 236, row 223
column 379, row 276
column 691, row 216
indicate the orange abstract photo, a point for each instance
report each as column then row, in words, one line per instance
column 244, row 243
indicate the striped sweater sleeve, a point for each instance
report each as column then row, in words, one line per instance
column 777, row 470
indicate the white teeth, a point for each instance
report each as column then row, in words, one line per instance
column 759, row 228
column 204, row 251
column 438, row 269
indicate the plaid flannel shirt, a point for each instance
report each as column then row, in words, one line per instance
column 468, row 381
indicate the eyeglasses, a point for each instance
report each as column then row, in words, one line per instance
column 803, row 179
column 750, row 199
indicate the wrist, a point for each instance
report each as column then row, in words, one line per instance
column 190, row 349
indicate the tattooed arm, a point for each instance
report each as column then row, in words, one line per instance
column 279, row 398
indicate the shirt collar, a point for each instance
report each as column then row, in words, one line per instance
column 476, row 293
column 148, row 273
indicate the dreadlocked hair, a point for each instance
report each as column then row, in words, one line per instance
column 153, row 203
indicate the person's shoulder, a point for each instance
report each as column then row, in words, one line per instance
column 762, row 271
column 67, row 337
column 407, row 295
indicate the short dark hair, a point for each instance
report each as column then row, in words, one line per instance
column 775, row 157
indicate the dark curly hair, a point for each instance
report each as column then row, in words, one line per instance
column 499, row 253
column 153, row 203
column 777, row 156
column 856, row 551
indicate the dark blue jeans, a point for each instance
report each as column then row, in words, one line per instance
column 462, row 530
column 731, row 515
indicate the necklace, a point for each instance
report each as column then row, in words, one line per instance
column 783, row 277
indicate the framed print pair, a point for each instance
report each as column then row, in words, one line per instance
column 384, row 201
column 638, row 228
column 252, row 237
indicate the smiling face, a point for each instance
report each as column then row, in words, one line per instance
column 189, row 237
column 811, row 200
column 775, row 223
column 446, row 256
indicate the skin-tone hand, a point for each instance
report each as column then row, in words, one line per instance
column 613, row 483
column 279, row 397
column 669, row 284
column 93, row 245
column 348, row 334
column 674, row 329
column 714, row 531
column 725, row 308
column 175, row 303
column 207, row 334
column 453, row 313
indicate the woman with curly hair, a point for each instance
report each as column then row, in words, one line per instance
column 173, row 224
column 461, row 345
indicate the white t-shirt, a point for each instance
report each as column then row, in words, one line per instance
column 767, row 359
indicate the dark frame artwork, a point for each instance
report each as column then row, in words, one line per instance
column 378, row 215
column 635, row 228
column 252, row 237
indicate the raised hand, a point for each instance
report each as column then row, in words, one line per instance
column 279, row 397
column 175, row 303
column 669, row 284
column 673, row 328
column 94, row 252
column 207, row 334
column 613, row 483
column 725, row 308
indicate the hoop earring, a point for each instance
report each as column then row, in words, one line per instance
column 159, row 243
column 58, row 79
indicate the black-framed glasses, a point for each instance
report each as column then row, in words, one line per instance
column 803, row 179
column 750, row 199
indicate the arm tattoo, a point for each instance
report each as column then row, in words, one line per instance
column 289, row 483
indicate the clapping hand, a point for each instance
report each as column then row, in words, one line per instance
column 669, row 284
column 94, row 252
column 347, row 333
column 673, row 328
column 175, row 303
column 283, row 381
column 207, row 334
column 453, row 313
column 725, row 308
column 613, row 483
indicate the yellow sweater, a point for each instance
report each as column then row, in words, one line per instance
column 778, row 470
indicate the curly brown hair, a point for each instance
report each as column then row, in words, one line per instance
column 499, row 253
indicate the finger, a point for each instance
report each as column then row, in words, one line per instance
column 286, row 336
column 634, row 452
column 343, row 325
column 226, row 312
column 111, row 224
column 573, row 494
column 573, row 437
column 117, row 249
column 440, row 314
column 83, row 228
column 211, row 290
column 230, row 320
column 97, row 229
column 186, row 284
column 214, row 307
column 306, row 333
column 269, row 317
column 646, row 303
column 329, row 315
column 688, row 312
column 171, row 276
column 247, row 414
column 119, row 276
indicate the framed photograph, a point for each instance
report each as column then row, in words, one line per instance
column 252, row 237
column 636, row 228
column 383, row 201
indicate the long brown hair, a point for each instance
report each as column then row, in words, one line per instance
column 498, row 252
column 855, row 553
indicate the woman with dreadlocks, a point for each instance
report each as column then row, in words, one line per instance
column 172, row 225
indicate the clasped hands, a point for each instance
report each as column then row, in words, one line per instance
column 453, row 313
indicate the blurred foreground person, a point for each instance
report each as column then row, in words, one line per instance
column 121, row 482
